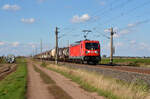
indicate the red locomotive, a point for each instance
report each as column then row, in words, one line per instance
column 85, row 51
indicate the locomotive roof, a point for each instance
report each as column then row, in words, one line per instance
column 78, row 42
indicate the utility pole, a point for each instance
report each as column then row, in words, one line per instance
column 41, row 50
column 41, row 45
column 68, row 43
column 35, row 50
column 56, row 50
column 33, row 53
column 111, row 45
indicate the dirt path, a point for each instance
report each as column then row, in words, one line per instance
column 36, row 88
column 70, row 87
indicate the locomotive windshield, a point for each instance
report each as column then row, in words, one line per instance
column 91, row 46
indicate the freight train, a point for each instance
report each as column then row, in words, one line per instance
column 86, row 51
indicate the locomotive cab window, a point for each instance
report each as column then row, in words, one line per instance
column 91, row 46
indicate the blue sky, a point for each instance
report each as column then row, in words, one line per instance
column 23, row 23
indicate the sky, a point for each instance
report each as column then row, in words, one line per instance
column 25, row 23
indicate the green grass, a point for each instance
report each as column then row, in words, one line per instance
column 86, row 86
column 125, row 61
column 2, row 61
column 44, row 64
column 138, row 85
column 14, row 85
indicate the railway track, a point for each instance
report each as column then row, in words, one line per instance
column 125, row 73
column 143, row 70
column 127, row 68
column 4, row 71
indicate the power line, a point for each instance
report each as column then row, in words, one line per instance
column 104, row 9
column 127, row 13
column 110, row 9
column 122, row 14
column 116, row 7
column 93, row 13
column 102, row 35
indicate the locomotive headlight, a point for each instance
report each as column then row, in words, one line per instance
column 96, row 52
column 87, row 52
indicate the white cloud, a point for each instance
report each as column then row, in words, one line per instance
column 32, row 45
column 119, row 44
column 143, row 45
column 11, row 7
column 79, row 19
column 125, row 31
column 17, row 48
column 2, row 43
column 115, row 29
column 131, row 25
column 15, row 44
column 30, row 20
column 116, row 35
column 133, row 42
column 107, row 30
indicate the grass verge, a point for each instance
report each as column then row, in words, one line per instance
column 2, row 60
column 55, row 90
column 107, row 87
column 14, row 85
column 130, row 62
column 44, row 64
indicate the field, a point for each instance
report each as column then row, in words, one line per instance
column 129, row 62
column 14, row 85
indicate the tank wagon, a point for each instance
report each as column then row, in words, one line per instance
column 86, row 51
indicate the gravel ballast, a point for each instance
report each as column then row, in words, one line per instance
column 117, row 74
